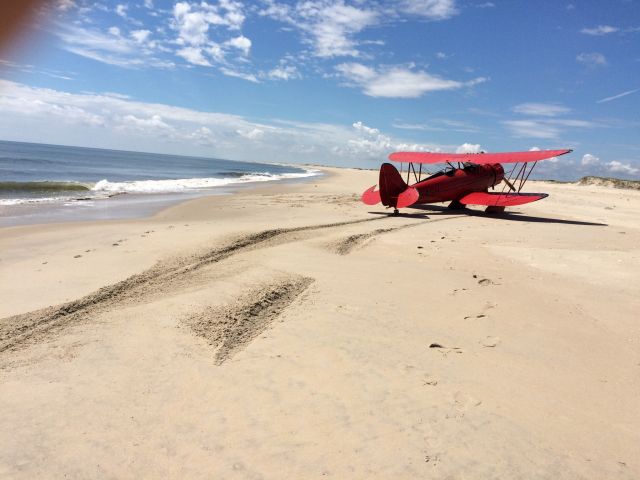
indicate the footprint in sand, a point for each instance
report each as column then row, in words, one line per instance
column 77, row 256
column 490, row 342
column 429, row 380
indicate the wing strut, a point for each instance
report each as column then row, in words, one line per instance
column 520, row 178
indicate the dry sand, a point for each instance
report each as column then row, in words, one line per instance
column 293, row 332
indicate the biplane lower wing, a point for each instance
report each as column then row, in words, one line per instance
column 501, row 199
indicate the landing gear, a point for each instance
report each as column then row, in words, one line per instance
column 456, row 205
column 493, row 209
column 396, row 211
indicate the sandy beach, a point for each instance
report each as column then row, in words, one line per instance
column 290, row 331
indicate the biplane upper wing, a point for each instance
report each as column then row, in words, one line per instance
column 501, row 199
column 477, row 158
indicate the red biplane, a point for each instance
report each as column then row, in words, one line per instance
column 465, row 180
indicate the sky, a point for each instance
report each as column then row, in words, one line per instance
column 333, row 82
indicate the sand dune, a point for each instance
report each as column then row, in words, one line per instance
column 291, row 331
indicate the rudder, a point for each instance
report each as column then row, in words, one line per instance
column 391, row 185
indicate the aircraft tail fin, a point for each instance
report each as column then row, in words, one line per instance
column 394, row 192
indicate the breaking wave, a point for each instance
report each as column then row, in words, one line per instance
column 184, row 184
column 50, row 191
column 44, row 186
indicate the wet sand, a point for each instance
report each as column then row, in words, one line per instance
column 291, row 331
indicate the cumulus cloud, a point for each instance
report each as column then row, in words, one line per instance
column 284, row 72
column 253, row 134
column 194, row 56
column 619, row 167
column 469, row 148
column 588, row 159
column 140, row 36
column 193, row 23
column 371, row 143
column 592, row 60
column 209, row 34
column 330, row 27
column 159, row 127
column 397, row 81
column 121, row 10
column 241, row 43
column 594, row 165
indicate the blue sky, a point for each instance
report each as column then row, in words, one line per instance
column 333, row 82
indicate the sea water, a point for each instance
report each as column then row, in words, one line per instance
column 54, row 180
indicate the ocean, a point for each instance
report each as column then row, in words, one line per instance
column 56, row 182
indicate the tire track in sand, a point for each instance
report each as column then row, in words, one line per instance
column 21, row 329
column 346, row 245
column 230, row 329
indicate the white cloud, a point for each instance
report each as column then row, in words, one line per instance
column 430, row 9
column 397, row 82
column 620, row 95
column 595, row 165
column 361, row 127
column 284, row 72
column 541, row 109
column 599, row 30
column 28, row 113
column 545, row 128
column 253, row 134
column 140, row 36
column 66, row 4
column 593, row 59
column 194, row 23
column 192, row 20
column 153, row 122
column 619, row 167
column 241, row 42
column 330, row 27
column 439, row 125
column 194, row 56
column 250, row 77
column 111, row 48
column 372, row 143
column 148, row 4
column 532, row 129
column 469, row 148
column 485, row 5
column 589, row 160
column 121, row 10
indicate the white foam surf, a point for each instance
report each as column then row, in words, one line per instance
column 185, row 184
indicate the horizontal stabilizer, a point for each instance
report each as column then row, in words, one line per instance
column 501, row 199
column 371, row 196
column 408, row 197
column 477, row 158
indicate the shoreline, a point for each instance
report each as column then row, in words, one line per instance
column 292, row 330
column 122, row 205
